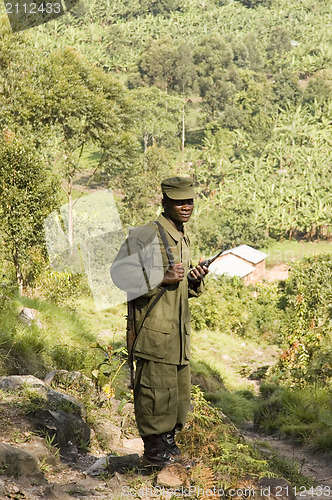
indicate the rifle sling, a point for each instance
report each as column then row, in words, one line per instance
column 166, row 244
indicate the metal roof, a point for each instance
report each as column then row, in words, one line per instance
column 230, row 265
column 248, row 253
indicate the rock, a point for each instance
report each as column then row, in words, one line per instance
column 58, row 399
column 112, row 463
column 275, row 487
column 173, row 476
column 78, row 490
column 84, row 488
column 134, row 445
column 93, row 484
column 40, row 451
column 64, row 378
column 54, row 398
column 14, row 382
column 117, row 481
column 70, row 431
column 54, row 491
column 29, row 317
column 108, row 435
column 16, row 462
column 2, row 488
column 99, row 467
column 123, row 463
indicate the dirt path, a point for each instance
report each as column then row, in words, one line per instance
column 318, row 467
column 277, row 272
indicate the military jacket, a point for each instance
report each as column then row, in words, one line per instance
column 163, row 334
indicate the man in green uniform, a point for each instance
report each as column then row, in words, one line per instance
column 152, row 266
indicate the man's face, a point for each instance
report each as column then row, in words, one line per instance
column 178, row 210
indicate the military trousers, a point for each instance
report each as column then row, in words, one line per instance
column 161, row 396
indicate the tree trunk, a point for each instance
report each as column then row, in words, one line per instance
column 146, row 140
column 19, row 276
column 183, row 132
column 70, row 217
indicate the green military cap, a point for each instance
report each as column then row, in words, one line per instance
column 178, row 188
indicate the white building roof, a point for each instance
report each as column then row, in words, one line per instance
column 248, row 253
column 230, row 265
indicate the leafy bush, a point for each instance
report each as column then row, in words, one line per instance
column 67, row 357
column 232, row 307
column 306, row 304
column 60, row 288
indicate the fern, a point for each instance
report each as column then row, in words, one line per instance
column 204, row 479
column 215, row 444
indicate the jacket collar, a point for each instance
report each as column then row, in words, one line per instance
column 169, row 227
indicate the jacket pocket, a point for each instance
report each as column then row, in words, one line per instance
column 187, row 328
column 153, row 337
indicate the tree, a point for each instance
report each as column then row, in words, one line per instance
column 241, row 54
column 16, row 62
column 218, row 78
column 254, row 54
column 157, row 63
column 254, row 103
column 184, row 70
column 319, row 89
column 158, row 116
column 286, row 89
column 279, row 44
column 167, row 66
column 141, row 186
column 28, row 193
column 73, row 104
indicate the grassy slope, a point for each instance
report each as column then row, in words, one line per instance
column 280, row 252
column 231, row 357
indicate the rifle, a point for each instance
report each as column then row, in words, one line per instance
column 131, row 337
column 206, row 263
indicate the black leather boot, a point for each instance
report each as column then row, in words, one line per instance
column 171, row 447
column 155, row 452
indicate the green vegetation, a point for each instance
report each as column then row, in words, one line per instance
column 303, row 416
column 213, row 442
column 295, row 398
column 27, row 194
column 238, row 95
column 306, row 303
column 231, row 307
column 244, row 108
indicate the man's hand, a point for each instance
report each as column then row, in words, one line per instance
column 174, row 274
column 198, row 273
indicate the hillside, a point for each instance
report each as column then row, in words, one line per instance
column 118, row 95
